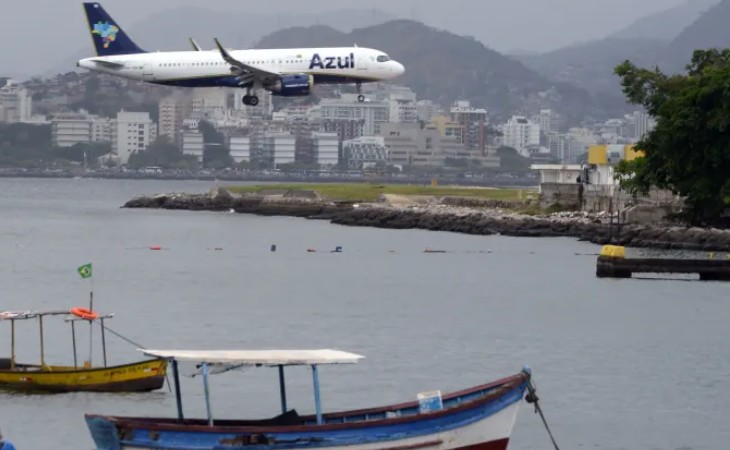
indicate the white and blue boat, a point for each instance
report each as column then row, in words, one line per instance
column 478, row 418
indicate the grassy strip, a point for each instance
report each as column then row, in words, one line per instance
column 368, row 192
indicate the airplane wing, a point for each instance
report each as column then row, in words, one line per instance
column 246, row 74
column 195, row 45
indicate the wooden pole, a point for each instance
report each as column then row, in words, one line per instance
column 91, row 333
column 43, row 363
column 12, row 344
column 103, row 340
column 73, row 339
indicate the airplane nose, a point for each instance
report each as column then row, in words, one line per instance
column 399, row 69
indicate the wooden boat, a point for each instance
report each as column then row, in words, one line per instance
column 479, row 418
column 146, row 375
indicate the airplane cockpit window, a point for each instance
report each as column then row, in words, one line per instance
column 383, row 58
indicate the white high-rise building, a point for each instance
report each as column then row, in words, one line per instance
column 521, row 134
column 102, row 129
column 192, row 144
column 549, row 121
column 326, row 148
column 172, row 111
column 402, row 105
column 426, row 110
column 365, row 151
column 280, row 148
column 371, row 114
column 240, row 148
column 643, row 124
column 69, row 129
column 15, row 103
column 134, row 133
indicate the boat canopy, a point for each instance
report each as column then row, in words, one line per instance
column 258, row 357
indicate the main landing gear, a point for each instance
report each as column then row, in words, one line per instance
column 250, row 100
column 360, row 97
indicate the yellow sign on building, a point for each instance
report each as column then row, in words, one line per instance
column 605, row 154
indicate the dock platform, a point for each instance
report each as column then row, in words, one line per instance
column 612, row 264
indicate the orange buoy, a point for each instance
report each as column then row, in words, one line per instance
column 84, row 313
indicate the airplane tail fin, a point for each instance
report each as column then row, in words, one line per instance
column 109, row 38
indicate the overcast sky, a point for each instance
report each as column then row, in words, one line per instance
column 35, row 30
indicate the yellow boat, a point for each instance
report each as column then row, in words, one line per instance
column 146, row 375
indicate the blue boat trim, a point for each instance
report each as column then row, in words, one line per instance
column 293, row 432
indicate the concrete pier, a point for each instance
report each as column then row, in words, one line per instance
column 612, row 264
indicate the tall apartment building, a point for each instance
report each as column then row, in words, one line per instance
column 279, row 148
column 326, row 148
column 347, row 109
column 365, row 151
column 240, row 148
column 172, row 111
column 134, row 133
column 474, row 121
column 15, row 103
column 521, row 134
column 69, row 129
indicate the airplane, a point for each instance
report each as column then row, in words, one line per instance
column 283, row 72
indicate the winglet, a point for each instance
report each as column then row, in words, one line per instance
column 223, row 51
column 195, row 45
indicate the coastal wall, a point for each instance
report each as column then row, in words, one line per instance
column 459, row 219
column 566, row 194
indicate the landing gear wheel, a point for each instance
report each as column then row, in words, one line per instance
column 360, row 97
column 253, row 100
column 246, row 99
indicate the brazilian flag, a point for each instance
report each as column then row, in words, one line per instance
column 85, row 271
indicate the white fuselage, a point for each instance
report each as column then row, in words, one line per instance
column 209, row 69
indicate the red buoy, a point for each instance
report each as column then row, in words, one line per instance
column 155, row 247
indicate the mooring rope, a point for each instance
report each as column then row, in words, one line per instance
column 167, row 379
column 532, row 397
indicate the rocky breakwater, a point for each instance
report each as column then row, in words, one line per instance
column 592, row 228
column 219, row 199
column 480, row 218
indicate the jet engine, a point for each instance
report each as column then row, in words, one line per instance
column 297, row 85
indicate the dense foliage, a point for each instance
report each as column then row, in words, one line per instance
column 688, row 151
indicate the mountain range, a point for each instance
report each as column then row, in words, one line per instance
column 666, row 39
column 444, row 67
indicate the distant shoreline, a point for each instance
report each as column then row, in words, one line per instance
column 486, row 182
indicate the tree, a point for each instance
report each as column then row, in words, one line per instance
column 688, row 152
column 163, row 153
column 216, row 154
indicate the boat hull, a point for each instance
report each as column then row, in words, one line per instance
column 135, row 377
column 468, row 421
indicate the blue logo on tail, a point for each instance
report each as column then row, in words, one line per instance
column 107, row 31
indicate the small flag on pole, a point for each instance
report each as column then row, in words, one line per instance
column 85, row 271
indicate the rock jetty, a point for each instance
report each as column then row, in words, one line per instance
column 460, row 216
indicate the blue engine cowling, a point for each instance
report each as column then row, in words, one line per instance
column 298, row 85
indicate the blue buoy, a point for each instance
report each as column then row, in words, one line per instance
column 273, row 247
